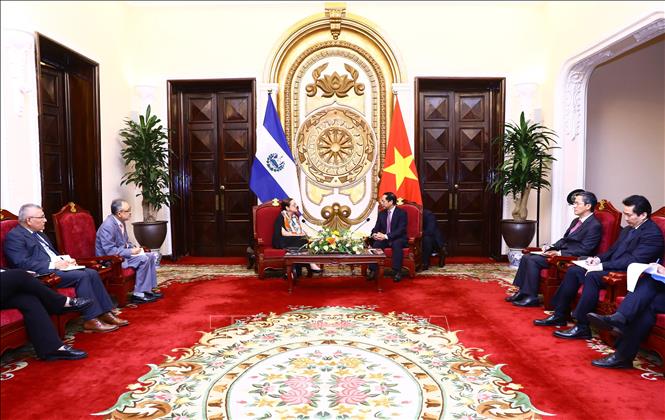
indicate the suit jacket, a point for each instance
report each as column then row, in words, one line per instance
column 643, row 245
column 111, row 240
column 583, row 241
column 24, row 250
column 397, row 224
column 430, row 228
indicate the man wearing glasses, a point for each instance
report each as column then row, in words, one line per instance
column 640, row 241
column 112, row 239
column 581, row 238
column 28, row 248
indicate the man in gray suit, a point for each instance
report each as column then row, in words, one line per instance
column 112, row 239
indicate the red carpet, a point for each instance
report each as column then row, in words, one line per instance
column 557, row 374
column 208, row 260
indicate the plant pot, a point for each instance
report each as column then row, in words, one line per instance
column 150, row 234
column 518, row 234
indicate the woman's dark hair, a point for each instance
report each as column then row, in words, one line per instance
column 285, row 203
column 640, row 203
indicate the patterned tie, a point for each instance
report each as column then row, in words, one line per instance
column 577, row 226
column 47, row 246
column 390, row 218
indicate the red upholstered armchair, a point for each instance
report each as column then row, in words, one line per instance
column 75, row 233
column 264, row 222
column 551, row 277
column 12, row 329
column 414, row 233
column 617, row 289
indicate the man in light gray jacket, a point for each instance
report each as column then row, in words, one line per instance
column 112, row 239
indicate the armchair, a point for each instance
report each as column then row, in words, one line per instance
column 75, row 234
column 551, row 277
column 12, row 329
column 263, row 223
column 414, row 232
column 617, row 289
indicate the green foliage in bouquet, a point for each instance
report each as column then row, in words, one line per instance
column 328, row 241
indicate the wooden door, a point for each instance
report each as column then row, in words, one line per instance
column 213, row 147
column 70, row 148
column 456, row 122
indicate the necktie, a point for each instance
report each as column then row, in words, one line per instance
column 577, row 226
column 47, row 247
column 390, row 218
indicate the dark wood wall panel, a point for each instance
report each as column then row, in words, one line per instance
column 213, row 146
column 456, row 120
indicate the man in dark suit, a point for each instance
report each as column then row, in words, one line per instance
column 28, row 248
column 390, row 232
column 581, row 238
column 20, row 290
column 633, row 320
column 641, row 241
column 432, row 237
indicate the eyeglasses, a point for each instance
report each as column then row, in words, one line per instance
column 37, row 217
column 126, row 211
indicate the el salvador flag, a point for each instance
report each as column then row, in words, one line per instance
column 274, row 172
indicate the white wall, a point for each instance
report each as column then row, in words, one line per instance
column 626, row 126
column 148, row 43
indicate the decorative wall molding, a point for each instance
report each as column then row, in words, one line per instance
column 571, row 104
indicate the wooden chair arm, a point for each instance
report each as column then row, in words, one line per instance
column 531, row 249
column 51, row 280
column 101, row 262
column 616, row 278
column 556, row 259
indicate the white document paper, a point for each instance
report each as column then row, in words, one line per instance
column 635, row 270
column 71, row 267
column 537, row 252
column 587, row 267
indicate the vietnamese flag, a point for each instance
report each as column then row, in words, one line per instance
column 399, row 173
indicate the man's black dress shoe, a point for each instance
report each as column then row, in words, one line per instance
column 77, row 304
column 397, row 277
column 515, row 296
column 551, row 321
column 142, row 299
column 155, row 295
column 611, row 323
column 613, row 362
column 577, row 332
column 68, row 353
column 527, row 301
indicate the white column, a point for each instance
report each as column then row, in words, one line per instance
column 19, row 138
column 404, row 91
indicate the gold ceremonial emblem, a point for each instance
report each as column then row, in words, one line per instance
column 335, row 147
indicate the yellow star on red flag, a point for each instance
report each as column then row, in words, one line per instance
column 399, row 173
column 401, row 169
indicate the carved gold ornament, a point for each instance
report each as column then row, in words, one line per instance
column 335, row 147
column 334, row 84
column 336, row 216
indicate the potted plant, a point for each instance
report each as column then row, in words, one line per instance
column 527, row 150
column 146, row 156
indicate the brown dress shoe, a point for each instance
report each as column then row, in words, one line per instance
column 95, row 325
column 111, row 319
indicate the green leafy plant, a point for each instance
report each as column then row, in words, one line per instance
column 527, row 149
column 146, row 156
column 328, row 241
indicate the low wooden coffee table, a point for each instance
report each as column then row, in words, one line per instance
column 369, row 256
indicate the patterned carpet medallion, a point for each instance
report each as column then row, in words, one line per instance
column 326, row 363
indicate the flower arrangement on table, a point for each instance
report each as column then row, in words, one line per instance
column 329, row 241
